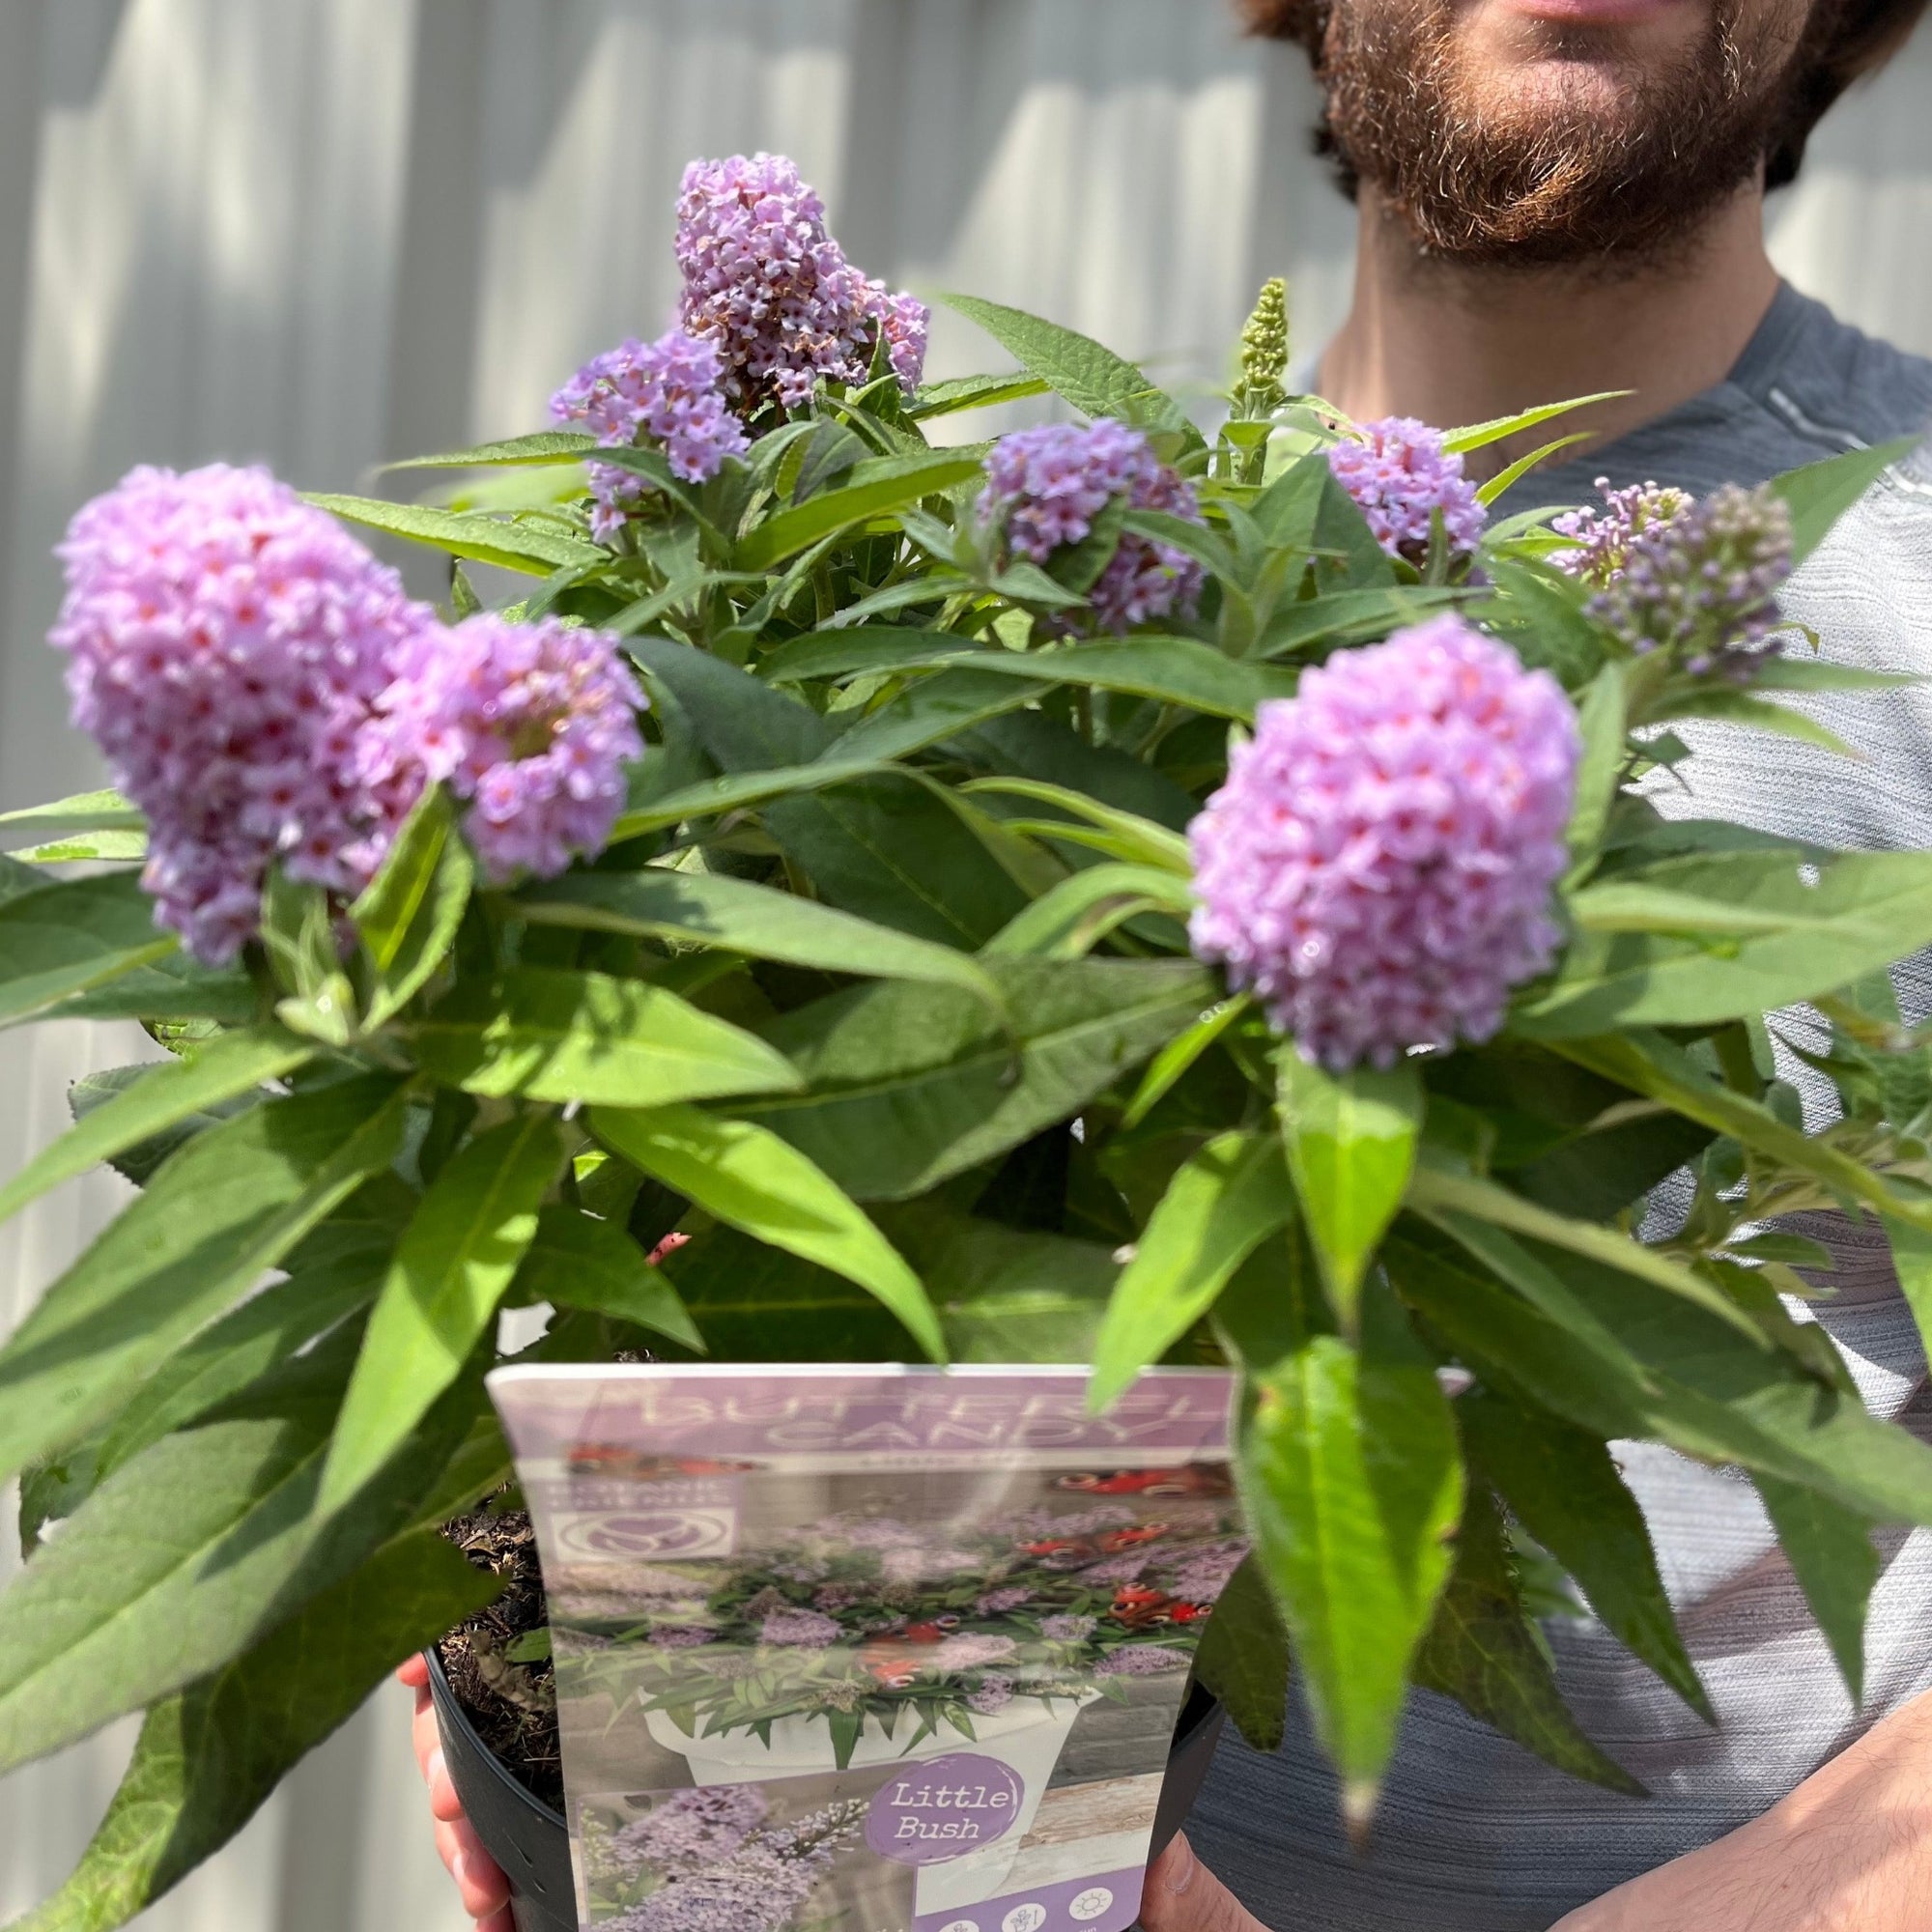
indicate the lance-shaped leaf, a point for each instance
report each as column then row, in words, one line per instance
column 748, row 1177
column 1090, row 376
column 534, row 548
column 714, row 909
column 409, row 916
column 1068, row 922
column 1832, row 1554
column 1674, row 1375
column 1482, row 1652
column 1439, row 1189
column 174, row 987
column 579, row 1261
column 191, row 1553
column 1821, row 492
column 1351, row 1141
column 85, row 811
column 210, row 1756
column 1121, row 835
column 933, row 709
column 754, row 1303
column 910, row 1085
column 542, row 446
column 1351, row 1479
column 161, row 1098
column 1654, row 1065
column 972, row 392
column 1601, row 718
column 71, row 937
column 874, row 488
column 1562, row 1485
column 553, row 1036
column 224, row 1208
column 1219, row 1208
column 1244, row 1658
column 1791, row 929
column 1912, row 1260
column 452, row 1267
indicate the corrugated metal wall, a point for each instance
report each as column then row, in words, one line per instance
column 328, row 232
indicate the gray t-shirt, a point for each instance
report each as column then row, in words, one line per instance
column 1475, row 1834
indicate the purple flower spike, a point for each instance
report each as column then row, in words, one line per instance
column 1047, row 487
column 799, row 1630
column 664, row 392
column 1142, row 1659
column 765, row 281
column 1399, row 474
column 1604, row 537
column 533, row 723
column 226, row 643
column 1377, row 867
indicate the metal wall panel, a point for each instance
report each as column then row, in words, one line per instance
column 328, row 232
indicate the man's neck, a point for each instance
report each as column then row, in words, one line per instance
column 1455, row 344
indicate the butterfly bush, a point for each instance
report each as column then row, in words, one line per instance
column 765, row 280
column 1702, row 584
column 664, row 393
column 1401, row 475
column 1604, row 537
column 1377, row 867
column 227, row 645
column 1046, row 488
column 532, row 724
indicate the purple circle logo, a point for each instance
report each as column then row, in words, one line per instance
column 943, row 1808
column 661, row 1535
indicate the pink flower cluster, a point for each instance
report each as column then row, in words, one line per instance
column 263, row 689
column 1400, row 475
column 764, row 279
column 533, row 723
column 1604, row 537
column 1045, row 488
column 1377, row 867
column 664, row 392
column 226, row 643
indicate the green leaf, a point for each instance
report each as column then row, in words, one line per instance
column 542, row 446
column 84, row 812
column 1350, row 1140
column 1095, row 380
column 451, row 1270
column 1505, row 480
column 1601, row 718
column 1562, row 1485
column 409, row 916
column 910, row 1085
column 844, row 654
column 190, row 1553
column 174, row 987
column 90, row 847
column 1006, row 1295
column 740, row 790
column 1124, row 835
column 1481, row 435
column 885, row 484
column 930, row 710
column 1791, row 673
column 754, row 1303
column 1737, row 707
column 1821, row 492
column 578, row 1262
column 535, row 548
column 71, row 937
column 163, row 1097
column 1173, row 1061
column 554, row 1035
column 972, row 392
column 713, row 909
column 1912, row 1260
column 1439, row 1189
column 1351, row 1480
column 748, row 1177
column 1482, row 1652
column 208, row 1757
column 1244, row 1658
column 1070, row 920
column 1671, row 1374
column 1222, row 1203
column 247, row 1344
column 1830, row 1553
column 229, row 1205
column 1650, row 1064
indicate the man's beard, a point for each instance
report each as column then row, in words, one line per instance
column 1559, row 181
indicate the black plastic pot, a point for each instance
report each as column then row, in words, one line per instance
column 531, row 1842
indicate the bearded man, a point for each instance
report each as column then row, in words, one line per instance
column 1557, row 198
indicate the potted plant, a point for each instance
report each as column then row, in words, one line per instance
column 1128, row 894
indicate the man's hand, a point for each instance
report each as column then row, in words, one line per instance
column 479, row 1883
column 1183, row 1895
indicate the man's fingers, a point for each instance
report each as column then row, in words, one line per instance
column 1183, row 1895
column 415, row 1674
column 444, row 1803
column 425, row 1733
column 479, row 1881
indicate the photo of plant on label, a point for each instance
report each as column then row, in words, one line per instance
column 870, row 1650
